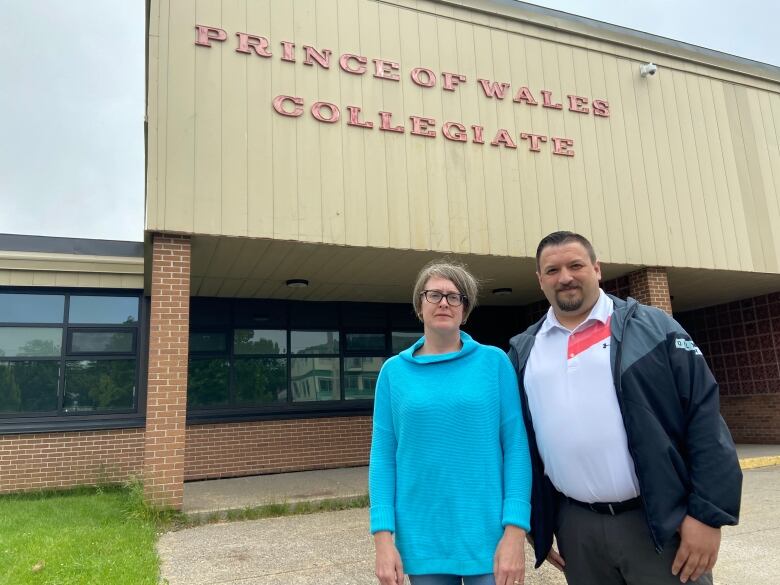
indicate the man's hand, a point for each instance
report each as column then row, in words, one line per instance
column 389, row 568
column 555, row 559
column 698, row 550
column 509, row 560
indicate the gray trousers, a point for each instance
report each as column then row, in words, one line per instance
column 600, row 549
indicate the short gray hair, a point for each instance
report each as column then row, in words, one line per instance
column 457, row 273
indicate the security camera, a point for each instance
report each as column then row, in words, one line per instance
column 648, row 69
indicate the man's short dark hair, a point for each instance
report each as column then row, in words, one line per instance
column 560, row 238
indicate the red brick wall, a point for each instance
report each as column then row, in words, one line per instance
column 251, row 448
column 741, row 342
column 166, row 400
column 650, row 286
column 59, row 460
column 753, row 419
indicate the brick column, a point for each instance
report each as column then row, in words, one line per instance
column 651, row 287
column 166, row 399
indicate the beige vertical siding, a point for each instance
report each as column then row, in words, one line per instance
column 684, row 172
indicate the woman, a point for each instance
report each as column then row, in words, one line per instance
column 450, row 474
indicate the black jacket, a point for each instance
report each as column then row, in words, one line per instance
column 683, row 453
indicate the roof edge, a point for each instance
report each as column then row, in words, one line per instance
column 77, row 246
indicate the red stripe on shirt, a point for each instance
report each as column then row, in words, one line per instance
column 579, row 342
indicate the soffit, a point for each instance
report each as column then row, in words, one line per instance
column 259, row 268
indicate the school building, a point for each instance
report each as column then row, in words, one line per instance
column 304, row 159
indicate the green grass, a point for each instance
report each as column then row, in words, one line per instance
column 105, row 535
column 95, row 536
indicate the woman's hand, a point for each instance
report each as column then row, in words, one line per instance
column 389, row 568
column 509, row 560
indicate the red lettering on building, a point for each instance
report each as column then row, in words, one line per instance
column 248, row 43
column 347, row 58
column 333, row 112
column 479, row 133
column 524, row 95
column 386, row 69
column 429, row 79
column 387, row 123
column 535, row 139
column 547, row 100
column 354, row 118
column 577, row 104
column 601, row 108
column 562, row 146
column 206, row 34
column 451, row 80
column 460, row 136
column 288, row 51
column 493, row 88
column 312, row 55
column 503, row 137
column 280, row 100
column 423, row 126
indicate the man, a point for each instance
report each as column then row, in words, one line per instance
column 634, row 469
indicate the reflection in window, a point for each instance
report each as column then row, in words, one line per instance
column 315, row 379
column 260, row 380
column 29, row 386
column 99, row 385
column 365, row 342
column 102, row 342
column 315, row 341
column 404, row 339
column 203, row 342
column 360, row 376
column 103, row 310
column 259, row 341
column 30, row 342
column 207, row 383
column 31, row 308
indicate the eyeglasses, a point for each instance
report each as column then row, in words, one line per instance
column 435, row 297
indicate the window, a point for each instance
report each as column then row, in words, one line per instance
column 68, row 354
column 271, row 357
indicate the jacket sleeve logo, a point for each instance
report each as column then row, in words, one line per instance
column 687, row 345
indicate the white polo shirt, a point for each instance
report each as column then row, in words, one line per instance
column 575, row 411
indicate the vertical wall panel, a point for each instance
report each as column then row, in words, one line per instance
column 234, row 106
column 260, row 147
column 353, row 160
column 672, row 140
column 417, row 186
column 307, row 161
column 624, row 193
column 180, row 133
column 283, row 128
column 208, row 196
column 331, row 160
column 438, row 201
column 395, row 145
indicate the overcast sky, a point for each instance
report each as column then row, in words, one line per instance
column 72, row 99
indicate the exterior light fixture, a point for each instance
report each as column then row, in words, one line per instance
column 648, row 69
column 502, row 291
column 297, row 283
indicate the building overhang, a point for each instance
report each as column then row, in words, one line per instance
column 260, row 268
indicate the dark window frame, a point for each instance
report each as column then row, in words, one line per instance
column 82, row 329
column 51, row 421
column 290, row 409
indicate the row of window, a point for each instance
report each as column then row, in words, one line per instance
column 267, row 367
column 65, row 354
column 68, row 354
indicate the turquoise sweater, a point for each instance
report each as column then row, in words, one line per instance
column 449, row 458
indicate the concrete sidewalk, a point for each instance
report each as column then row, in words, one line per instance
column 334, row 548
column 207, row 497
